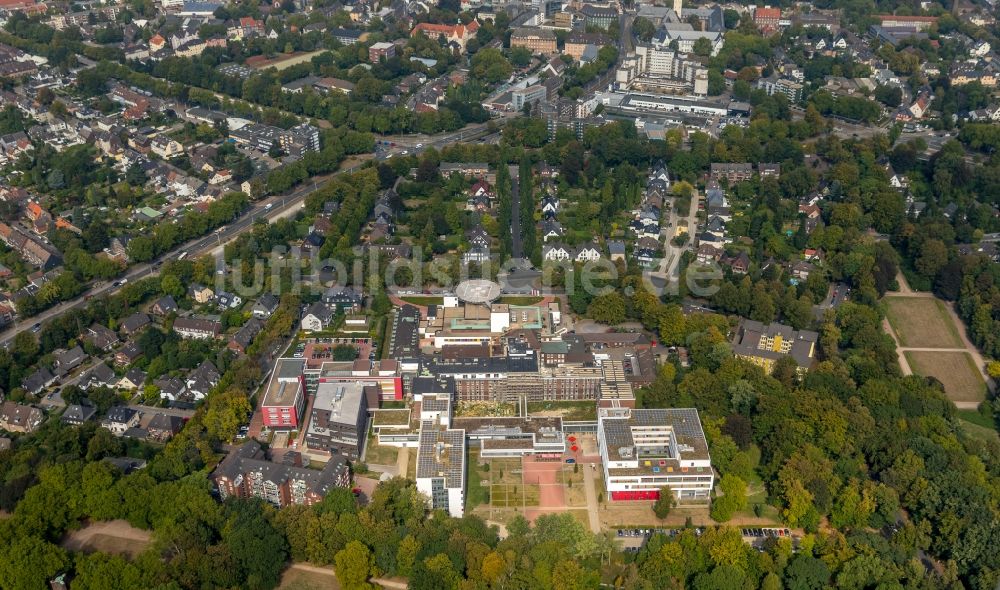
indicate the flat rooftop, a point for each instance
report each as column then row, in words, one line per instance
column 441, row 453
column 682, row 425
column 477, row 291
column 342, row 400
column 285, row 384
column 509, row 425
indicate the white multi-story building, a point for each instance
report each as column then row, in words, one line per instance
column 530, row 95
column 441, row 467
column 644, row 451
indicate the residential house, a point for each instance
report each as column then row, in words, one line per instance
column 739, row 263
column 242, row 339
column 200, row 293
column 101, row 375
column 197, row 328
column 802, row 269
column 552, row 230
column 77, row 414
column 67, row 360
column 556, row 252
column 587, row 253
column 134, row 323
column 225, row 300
column 265, row 305
column 344, row 299
column 101, row 337
column 708, row 254
column 171, row 388
column 201, row 380
column 128, row 354
column 120, row 419
column 474, row 169
column 164, row 306
column 38, row 381
column 478, row 238
column 317, row 317
column 549, row 206
column 732, row 172
column 134, row 378
column 616, row 249
column 647, row 251
column 15, row 417
column 162, row 427
column 767, row 170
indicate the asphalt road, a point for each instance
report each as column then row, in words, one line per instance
column 516, row 247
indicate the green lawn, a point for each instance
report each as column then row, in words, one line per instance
column 423, row 300
column 477, row 494
column 514, row 496
column 583, row 410
column 979, row 432
column 378, row 454
column 976, row 418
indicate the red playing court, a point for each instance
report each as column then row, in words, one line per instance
column 545, row 474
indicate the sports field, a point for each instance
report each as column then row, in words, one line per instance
column 954, row 369
column 922, row 323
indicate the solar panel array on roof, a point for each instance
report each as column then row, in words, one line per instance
column 441, row 454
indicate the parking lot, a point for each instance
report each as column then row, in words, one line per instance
column 632, row 540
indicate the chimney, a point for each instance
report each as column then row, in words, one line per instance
column 678, row 7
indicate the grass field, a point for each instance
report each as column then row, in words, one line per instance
column 380, row 455
column 299, row 579
column 979, row 432
column 519, row 300
column 955, row 370
column 477, row 493
column 423, row 300
column 510, row 496
column 976, row 418
column 287, row 60
column 922, row 323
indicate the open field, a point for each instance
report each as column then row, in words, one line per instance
column 299, row 578
column 922, row 323
column 113, row 536
column 286, row 60
column 954, row 369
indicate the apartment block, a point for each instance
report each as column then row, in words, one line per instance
column 247, row 473
column 285, row 397
column 764, row 344
column 537, row 40
column 339, row 418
